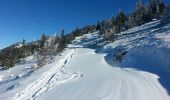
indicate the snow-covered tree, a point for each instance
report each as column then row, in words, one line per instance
column 42, row 40
column 148, row 16
column 53, row 46
column 48, row 51
column 156, row 8
column 154, row 5
column 140, row 13
column 103, row 28
column 166, row 15
column 40, row 57
column 132, row 20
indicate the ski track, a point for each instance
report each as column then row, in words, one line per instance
column 115, row 84
column 48, row 80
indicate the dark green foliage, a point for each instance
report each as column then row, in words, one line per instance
column 156, row 8
column 161, row 7
column 23, row 41
column 76, row 32
column 98, row 26
column 142, row 14
column 119, row 56
column 63, row 42
column 121, row 18
column 14, row 53
column 120, row 21
column 166, row 15
column 45, row 48
column 138, row 17
column 42, row 40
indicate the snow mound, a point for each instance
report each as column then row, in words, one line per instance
column 148, row 56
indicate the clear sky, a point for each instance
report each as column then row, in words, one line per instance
column 29, row 18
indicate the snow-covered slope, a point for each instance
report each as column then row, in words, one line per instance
column 101, row 81
column 134, row 67
column 23, row 82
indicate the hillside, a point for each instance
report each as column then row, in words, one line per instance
column 133, row 67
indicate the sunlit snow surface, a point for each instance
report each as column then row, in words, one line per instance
column 87, row 70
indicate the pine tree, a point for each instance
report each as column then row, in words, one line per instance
column 52, row 46
column 108, row 26
column 113, row 27
column 102, row 28
column 63, row 41
column 77, row 32
column 42, row 52
column 42, row 40
column 23, row 41
column 149, row 15
column 161, row 7
column 140, row 13
column 98, row 26
column 132, row 20
column 120, row 21
column 113, row 21
column 166, row 15
column 155, row 8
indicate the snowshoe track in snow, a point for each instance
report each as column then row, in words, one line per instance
column 50, row 79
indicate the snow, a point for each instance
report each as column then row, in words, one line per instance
column 48, row 80
column 26, row 81
column 142, row 75
column 18, row 45
column 101, row 81
column 88, row 69
column 1, row 77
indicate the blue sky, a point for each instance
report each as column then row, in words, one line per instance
column 30, row 18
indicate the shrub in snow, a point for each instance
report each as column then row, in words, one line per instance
column 41, row 58
column 119, row 56
column 34, row 66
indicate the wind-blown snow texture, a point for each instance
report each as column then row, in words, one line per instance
column 88, row 70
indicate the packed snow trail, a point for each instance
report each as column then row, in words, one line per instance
column 48, row 80
column 101, row 81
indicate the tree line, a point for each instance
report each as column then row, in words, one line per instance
column 143, row 13
column 43, row 49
